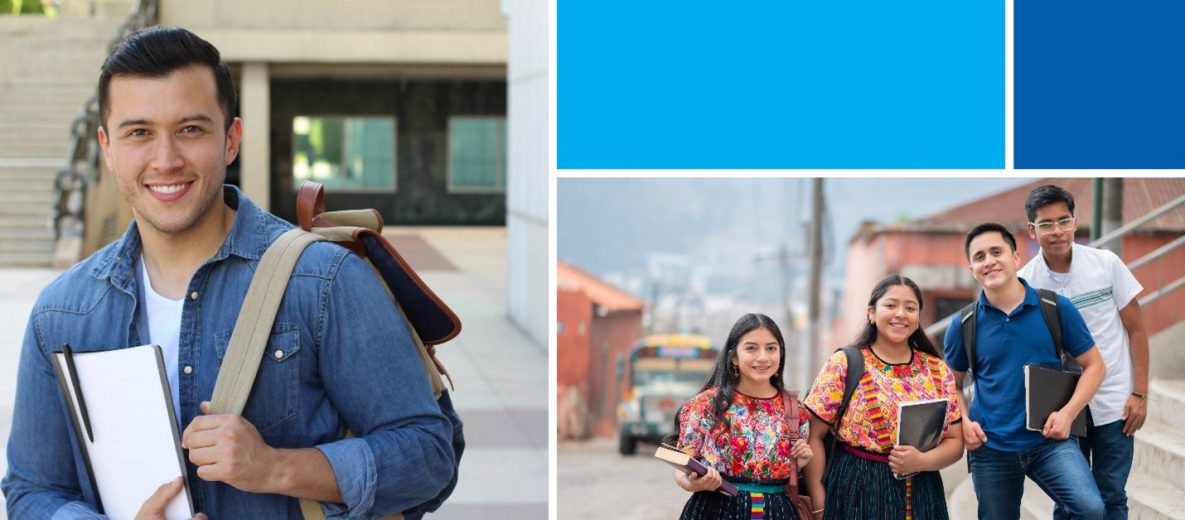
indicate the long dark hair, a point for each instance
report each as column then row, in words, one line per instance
column 724, row 375
column 918, row 340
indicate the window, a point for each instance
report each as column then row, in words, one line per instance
column 345, row 153
column 477, row 154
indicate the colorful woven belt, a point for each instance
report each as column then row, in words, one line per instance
column 757, row 494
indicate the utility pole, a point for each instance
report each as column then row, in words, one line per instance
column 784, row 270
column 808, row 361
column 783, row 256
column 1112, row 212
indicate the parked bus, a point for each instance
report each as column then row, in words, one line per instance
column 663, row 372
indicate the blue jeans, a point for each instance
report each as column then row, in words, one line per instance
column 1110, row 454
column 1057, row 466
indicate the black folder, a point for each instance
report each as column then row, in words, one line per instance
column 920, row 424
column 1047, row 390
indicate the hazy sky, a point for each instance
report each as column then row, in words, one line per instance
column 610, row 225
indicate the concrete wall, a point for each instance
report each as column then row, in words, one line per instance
column 358, row 31
column 527, row 190
column 398, row 39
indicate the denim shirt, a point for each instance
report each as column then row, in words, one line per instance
column 339, row 356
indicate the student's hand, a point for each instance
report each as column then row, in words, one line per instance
column 907, row 459
column 1135, row 410
column 154, row 507
column 693, row 483
column 227, row 448
column 1057, row 426
column 973, row 436
column 802, row 452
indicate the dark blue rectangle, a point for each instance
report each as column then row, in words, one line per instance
column 1099, row 84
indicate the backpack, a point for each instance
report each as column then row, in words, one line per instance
column 429, row 320
column 1053, row 321
column 851, row 381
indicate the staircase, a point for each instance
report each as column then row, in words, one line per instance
column 48, row 70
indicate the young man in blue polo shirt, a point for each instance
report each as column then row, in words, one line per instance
column 1011, row 333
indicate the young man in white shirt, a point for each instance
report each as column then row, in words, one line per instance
column 1104, row 291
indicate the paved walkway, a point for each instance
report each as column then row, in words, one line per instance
column 500, row 375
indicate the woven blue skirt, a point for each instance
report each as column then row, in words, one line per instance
column 859, row 488
column 713, row 505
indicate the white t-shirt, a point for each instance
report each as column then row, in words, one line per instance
column 164, row 329
column 1099, row 285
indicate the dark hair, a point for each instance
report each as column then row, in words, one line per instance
column 1044, row 196
column 987, row 227
column 722, row 375
column 156, row 52
column 918, row 340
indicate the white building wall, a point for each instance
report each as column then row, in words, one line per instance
column 527, row 183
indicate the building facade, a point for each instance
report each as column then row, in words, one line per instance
column 930, row 251
column 596, row 324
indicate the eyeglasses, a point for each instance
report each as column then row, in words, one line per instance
column 1065, row 224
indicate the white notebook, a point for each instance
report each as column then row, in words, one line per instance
column 133, row 444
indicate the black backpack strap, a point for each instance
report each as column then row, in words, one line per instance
column 850, row 382
column 1053, row 319
column 967, row 326
column 851, row 379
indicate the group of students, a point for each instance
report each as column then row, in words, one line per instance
column 738, row 424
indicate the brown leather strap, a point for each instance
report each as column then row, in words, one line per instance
column 310, row 202
column 790, row 406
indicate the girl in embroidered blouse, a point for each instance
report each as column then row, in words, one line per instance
column 737, row 426
column 900, row 364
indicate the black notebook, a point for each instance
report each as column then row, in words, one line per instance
column 1046, row 391
column 920, row 424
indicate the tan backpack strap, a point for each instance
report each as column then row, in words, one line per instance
column 240, row 364
column 363, row 218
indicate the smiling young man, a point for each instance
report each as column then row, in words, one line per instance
column 1011, row 333
column 1104, row 291
column 176, row 279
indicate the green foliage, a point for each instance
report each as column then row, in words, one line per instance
column 21, row 7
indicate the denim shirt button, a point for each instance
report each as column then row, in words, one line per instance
column 188, row 369
column 279, row 354
column 193, row 295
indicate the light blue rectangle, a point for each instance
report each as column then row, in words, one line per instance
column 789, row 84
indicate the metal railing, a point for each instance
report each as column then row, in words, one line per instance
column 937, row 330
column 82, row 154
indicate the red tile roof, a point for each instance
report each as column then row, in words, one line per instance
column 611, row 298
column 1140, row 196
